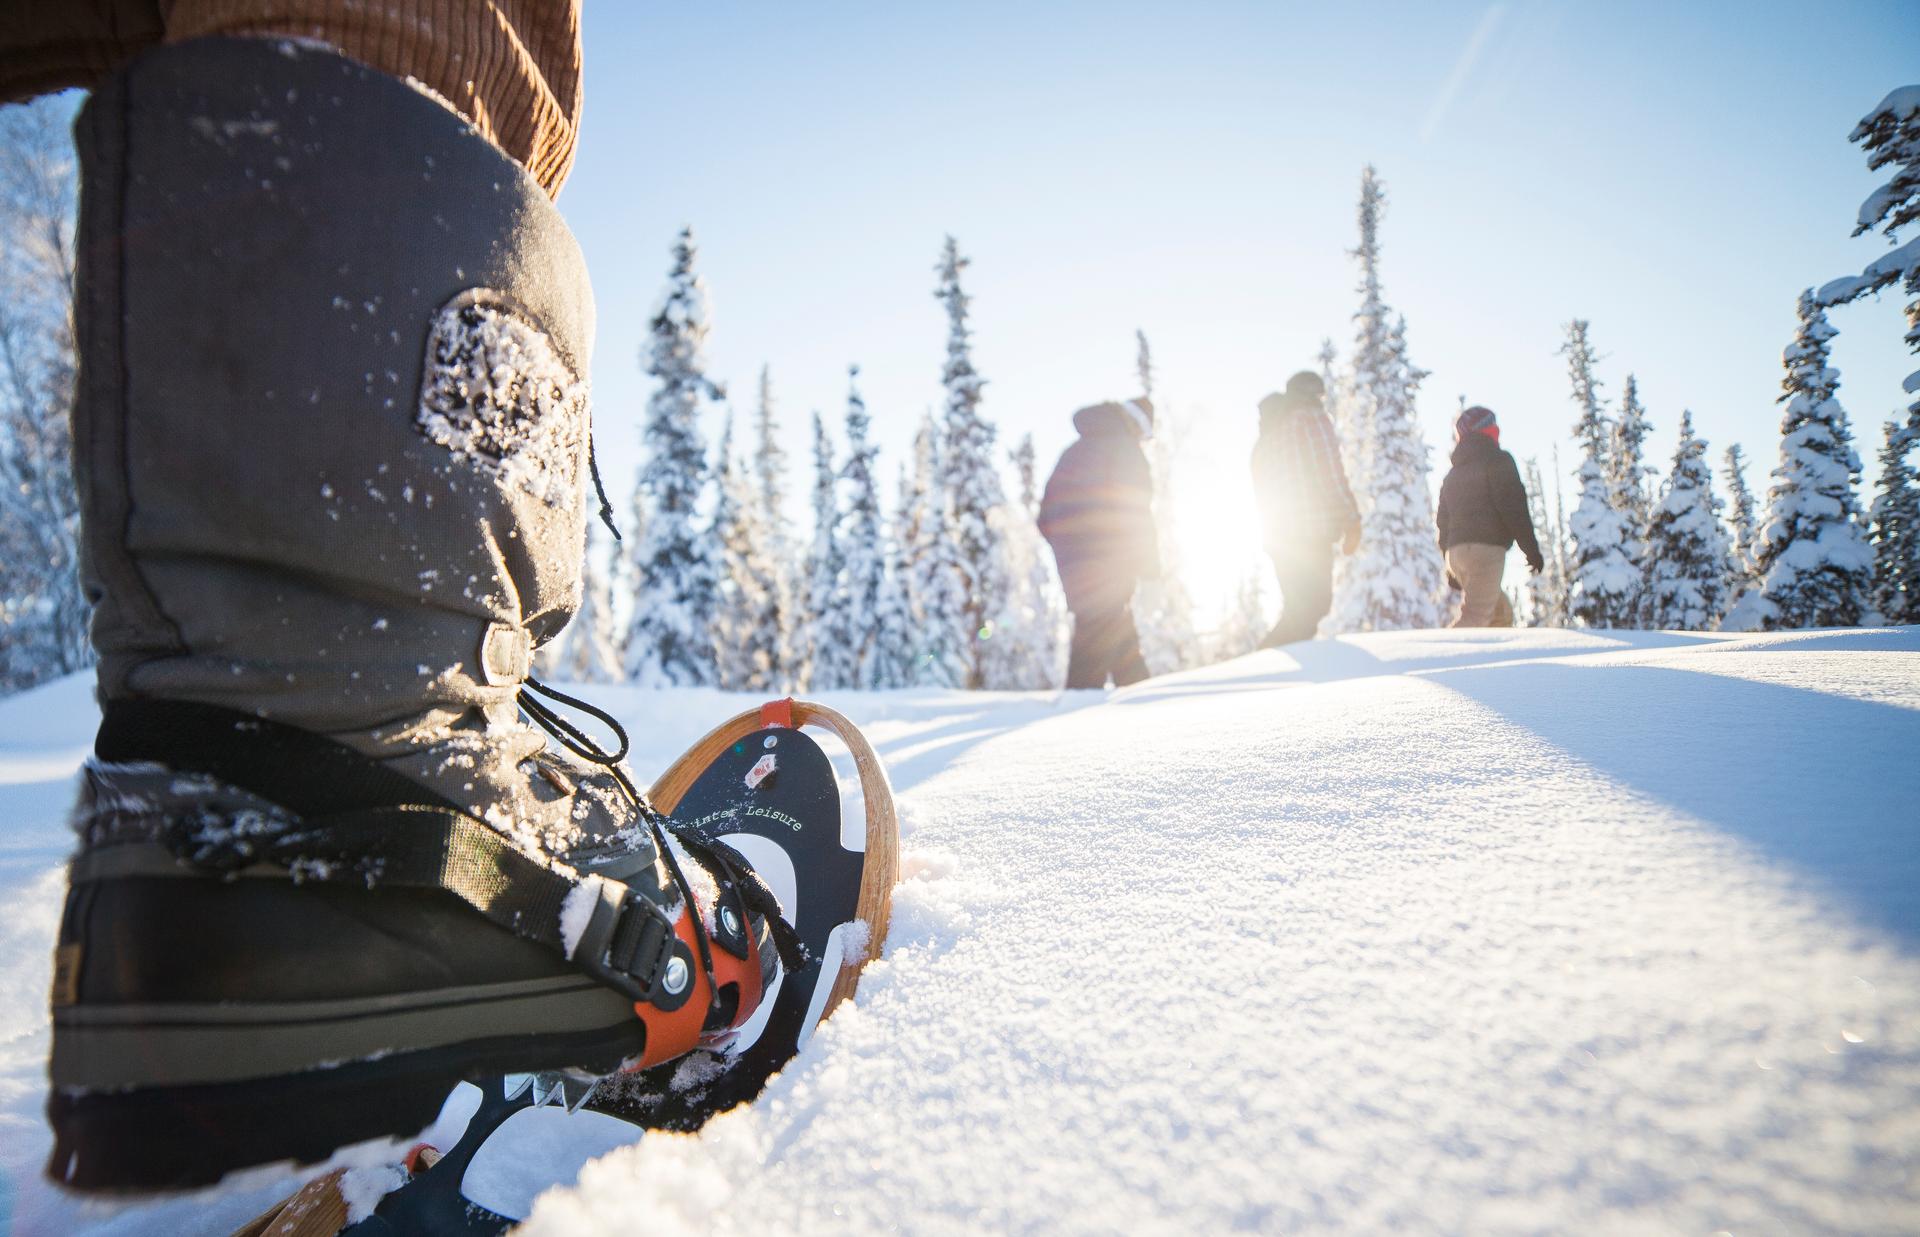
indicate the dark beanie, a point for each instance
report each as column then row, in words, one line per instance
column 1304, row 390
column 1476, row 420
column 1305, row 387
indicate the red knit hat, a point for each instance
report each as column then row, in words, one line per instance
column 1477, row 420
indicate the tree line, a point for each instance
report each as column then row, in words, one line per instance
column 945, row 585
column 1641, row 551
column 945, row 582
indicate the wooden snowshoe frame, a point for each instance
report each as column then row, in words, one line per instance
column 882, row 870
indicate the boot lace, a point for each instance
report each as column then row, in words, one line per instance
column 727, row 863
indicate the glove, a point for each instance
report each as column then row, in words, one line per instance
column 1536, row 564
column 1453, row 583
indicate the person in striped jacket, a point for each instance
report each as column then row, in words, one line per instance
column 1306, row 507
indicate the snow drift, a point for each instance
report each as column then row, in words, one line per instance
column 1422, row 931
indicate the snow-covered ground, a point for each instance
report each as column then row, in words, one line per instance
column 1462, row 932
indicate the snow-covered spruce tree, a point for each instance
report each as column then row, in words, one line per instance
column 1029, row 651
column 1890, row 136
column 1628, row 491
column 1687, row 552
column 935, row 583
column 1742, row 520
column 826, row 641
column 864, row 548
column 742, row 658
column 1604, row 583
column 897, row 628
column 1815, row 566
column 43, row 612
column 585, row 650
column 1162, row 607
column 1547, row 592
column 773, row 557
column 1395, row 580
column 970, row 477
column 1895, row 523
column 669, row 643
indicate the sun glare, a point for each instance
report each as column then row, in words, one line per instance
column 1215, row 528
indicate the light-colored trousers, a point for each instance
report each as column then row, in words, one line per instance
column 1483, row 602
column 511, row 67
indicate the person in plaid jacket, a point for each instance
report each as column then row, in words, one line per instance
column 1097, row 514
column 1306, row 507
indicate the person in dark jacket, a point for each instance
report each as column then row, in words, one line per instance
column 1483, row 510
column 1305, row 505
column 1097, row 514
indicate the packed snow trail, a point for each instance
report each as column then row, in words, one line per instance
column 1422, row 932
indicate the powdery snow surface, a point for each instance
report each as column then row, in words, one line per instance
column 1460, row 931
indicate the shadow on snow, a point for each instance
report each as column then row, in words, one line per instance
column 1822, row 782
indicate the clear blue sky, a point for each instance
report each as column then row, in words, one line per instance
column 1674, row 173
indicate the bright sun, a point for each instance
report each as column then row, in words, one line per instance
column 1214, row 524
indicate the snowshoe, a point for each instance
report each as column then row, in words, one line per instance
column 762, row 789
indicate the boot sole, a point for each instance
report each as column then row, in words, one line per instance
column 103, row 1047
column 155, row 1138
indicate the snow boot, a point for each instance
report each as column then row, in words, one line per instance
column 332, row 447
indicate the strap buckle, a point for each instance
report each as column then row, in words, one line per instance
column 627, row 942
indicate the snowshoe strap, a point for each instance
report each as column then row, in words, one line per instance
column 359, row 821
column 735, row 871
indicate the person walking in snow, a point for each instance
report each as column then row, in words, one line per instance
column 1097, row 514
column 1306, row 507
column 332, row 450
column 1483, row 511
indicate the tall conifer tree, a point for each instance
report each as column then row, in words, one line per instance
column 826, row 639
column 1813, row 559
column 970, row 476
column 865, row 548
column 896, row 629
column 1604, row 581
column 1896, row 529
column 1890, row 137
column 669, row 643
column 1742, row 519
column 1687, row 550
column 935, row 582
column 1395, row 579
column 743, row 656
column 1628, row 474
column 777, row 589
